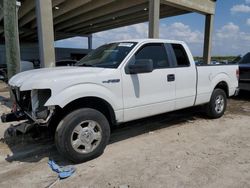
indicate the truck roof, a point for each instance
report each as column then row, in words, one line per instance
column 152, row 40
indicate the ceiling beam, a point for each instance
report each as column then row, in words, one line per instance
column 136, row 17
column 68, row 6
column 113, row 7
column 127, row 23
column 126, row 18
column 26, row 16
column 29, row 5
column 26, row 7
column 81, row 10
column 206, row 7
column 58, row 18
column 112, row 16
column 31, row 15
column 122, row 23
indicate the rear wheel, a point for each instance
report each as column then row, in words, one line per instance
column 217, row 105
column 82, row 135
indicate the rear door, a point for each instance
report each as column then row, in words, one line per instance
column 185, row 76
column 151, row 93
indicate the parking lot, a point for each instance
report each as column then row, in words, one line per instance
column 180, row 149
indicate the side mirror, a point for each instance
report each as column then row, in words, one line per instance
column 141, row 66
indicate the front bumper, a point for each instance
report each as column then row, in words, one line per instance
column 29, row 105
column 13, row 116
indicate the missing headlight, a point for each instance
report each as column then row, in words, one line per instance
column 39, row 98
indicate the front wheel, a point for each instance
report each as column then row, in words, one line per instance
column 217, row 105
column 82, row 135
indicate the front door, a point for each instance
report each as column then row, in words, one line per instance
column 151, row 93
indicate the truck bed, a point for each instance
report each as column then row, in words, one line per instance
column 209, row 75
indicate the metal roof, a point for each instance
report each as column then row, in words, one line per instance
column 84, row 17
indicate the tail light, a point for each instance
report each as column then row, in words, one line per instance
column 238, row 74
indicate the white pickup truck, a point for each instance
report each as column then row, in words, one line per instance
column 116, row 83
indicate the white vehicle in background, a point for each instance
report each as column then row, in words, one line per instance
column 116, row 83
column 24, row 66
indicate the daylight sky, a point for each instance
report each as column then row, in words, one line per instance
column 231, row 30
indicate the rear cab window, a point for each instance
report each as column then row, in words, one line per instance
column 180, row 56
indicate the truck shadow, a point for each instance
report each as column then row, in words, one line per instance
column 32, row 147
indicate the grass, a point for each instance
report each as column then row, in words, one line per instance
column 218, row 58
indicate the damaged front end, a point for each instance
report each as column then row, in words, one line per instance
column 30, row 105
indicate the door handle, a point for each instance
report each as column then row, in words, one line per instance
column 171, row 77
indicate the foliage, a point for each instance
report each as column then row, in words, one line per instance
column 218, row 58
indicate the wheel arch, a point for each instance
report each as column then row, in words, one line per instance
column 96, row 103
column 223, row 86
column 85, row 102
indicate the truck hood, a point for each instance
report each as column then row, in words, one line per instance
column 43, row 78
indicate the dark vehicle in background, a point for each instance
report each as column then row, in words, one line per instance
column 244, row 67
column 66, row 63
column 3, row 72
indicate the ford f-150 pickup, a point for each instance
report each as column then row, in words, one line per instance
column 116, row 83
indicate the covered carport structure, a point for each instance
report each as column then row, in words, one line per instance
column 45, row 21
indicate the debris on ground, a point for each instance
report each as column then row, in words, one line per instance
column 178, row 166
column 62, row 171
column 124, row 186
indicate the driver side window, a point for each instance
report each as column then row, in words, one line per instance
column 155, row 52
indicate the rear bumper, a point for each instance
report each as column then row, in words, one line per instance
column 237, row 91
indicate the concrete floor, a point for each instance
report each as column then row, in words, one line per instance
column 180, row 149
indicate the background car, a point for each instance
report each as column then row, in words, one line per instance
column 34, row 64
column 24, row 66
column 244, row 67
column 67, row 62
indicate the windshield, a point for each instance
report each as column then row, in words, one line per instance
column 108, row 55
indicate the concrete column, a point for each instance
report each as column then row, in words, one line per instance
column 11, row 34
column 1, row 10
column 154, row 18
column 45, row 32
column 90, row 42
column 208, row 38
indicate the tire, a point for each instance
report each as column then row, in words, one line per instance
column 217, row 105
column 82, row 135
